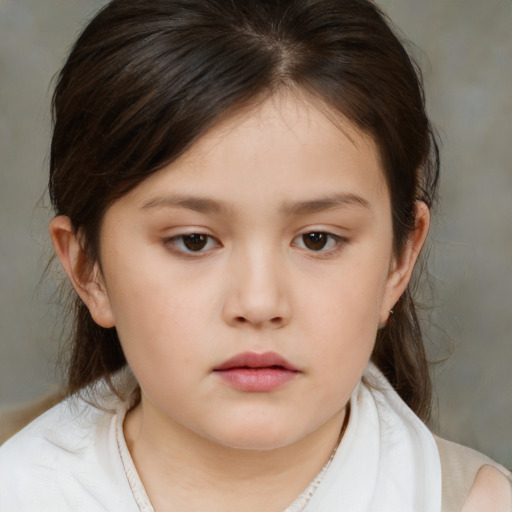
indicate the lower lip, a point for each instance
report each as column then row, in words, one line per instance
column 256, row 380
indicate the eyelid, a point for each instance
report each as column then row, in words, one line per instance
column 171, row 243
column 339, row 242
column 175, row 242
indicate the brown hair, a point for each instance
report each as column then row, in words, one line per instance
column 147, row 78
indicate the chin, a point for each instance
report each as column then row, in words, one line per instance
column 257, row 438
column 256, row 445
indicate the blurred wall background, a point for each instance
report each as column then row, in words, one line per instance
column 465, row 49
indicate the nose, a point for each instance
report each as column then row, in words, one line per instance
column 257, row 292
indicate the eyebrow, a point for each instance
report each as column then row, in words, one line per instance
column 326, row 203
column 194, row 203
column 207, row 205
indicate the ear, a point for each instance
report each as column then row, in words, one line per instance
column 402, row 265
column 85, row 276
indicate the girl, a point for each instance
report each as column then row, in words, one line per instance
column 242, row 190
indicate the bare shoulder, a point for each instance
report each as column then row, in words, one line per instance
column 491, row 490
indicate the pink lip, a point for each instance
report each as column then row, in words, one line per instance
column 255, row 373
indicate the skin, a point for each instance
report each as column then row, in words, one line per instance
column 490, row 491
column 259, row 182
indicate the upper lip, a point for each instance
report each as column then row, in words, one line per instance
column 255, row 360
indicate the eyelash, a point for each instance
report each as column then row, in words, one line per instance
column 177, row 243
column 336, row 242
column 174, row 243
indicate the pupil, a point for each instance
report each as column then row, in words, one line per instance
column 195, row 242
column 315, row 241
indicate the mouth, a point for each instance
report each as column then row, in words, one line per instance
column 256, row 373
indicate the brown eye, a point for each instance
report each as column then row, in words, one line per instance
column 191, row 244
column 315, row 241
column 195, row 242
column 321, row 242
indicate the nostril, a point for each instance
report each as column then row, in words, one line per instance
column 277, row 320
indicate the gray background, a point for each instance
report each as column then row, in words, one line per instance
column 466, row 52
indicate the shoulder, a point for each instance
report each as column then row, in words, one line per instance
column 66, row 454
column 472, row 481
column 491, row 490
column 61, row 433
column 14, row 419
column 69, row 421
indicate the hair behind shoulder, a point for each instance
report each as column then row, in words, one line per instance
column 146, row 79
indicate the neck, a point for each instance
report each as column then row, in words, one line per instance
column 182, row 470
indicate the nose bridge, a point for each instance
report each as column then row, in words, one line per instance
column 258, row 293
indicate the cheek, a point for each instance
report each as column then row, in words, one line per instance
column 342, row 318
column 348, row 301
column 155, row 316
column 158, row 343
column 149, row 291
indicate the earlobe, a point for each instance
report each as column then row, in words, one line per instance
column 85, row 276
column 403, row 265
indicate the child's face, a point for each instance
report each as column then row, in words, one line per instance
column 272, row 234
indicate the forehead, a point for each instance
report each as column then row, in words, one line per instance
column 286, row 148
